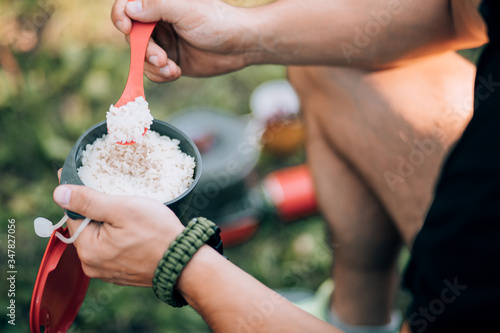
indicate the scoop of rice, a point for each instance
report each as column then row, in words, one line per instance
column 128, row 122
column 154, row 168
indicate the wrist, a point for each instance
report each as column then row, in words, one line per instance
column 192, row 284
column 253, row 31
column 285, row 33
column 246, row 34
column 263, row 38
column 198, row 232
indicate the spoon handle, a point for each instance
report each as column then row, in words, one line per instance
column 139, row 39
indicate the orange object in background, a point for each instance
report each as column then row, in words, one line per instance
column 284, row 137
column 292, row 192
column 275, row 106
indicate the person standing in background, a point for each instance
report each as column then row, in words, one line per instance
column 369, row 106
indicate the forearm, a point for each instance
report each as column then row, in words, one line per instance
column 359, row 33
column 230, row 300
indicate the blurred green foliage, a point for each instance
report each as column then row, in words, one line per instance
column 56, row 81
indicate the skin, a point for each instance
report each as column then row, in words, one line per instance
column 208, row 37
column 212, row 37
column 359, row 123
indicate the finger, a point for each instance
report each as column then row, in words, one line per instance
column 154, row 74
column 154, row 78
column 87, row 236
column 89, row 270
column 90, row 203
column 59, row 175
column 121, row 21
column 144, row 10
column 155, row 55
column 161, row 64
column 165, row 37
column 168, row 73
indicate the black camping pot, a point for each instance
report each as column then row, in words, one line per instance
column 179, row 205
column 230, row 150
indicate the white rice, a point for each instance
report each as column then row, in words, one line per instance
column 128, row 122
column 154, row 168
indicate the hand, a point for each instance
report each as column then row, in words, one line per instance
column 197, row 38
column 134, row 234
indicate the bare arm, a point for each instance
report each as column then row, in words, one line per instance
column 230, row 300
column 361, row 33
column 210, row 37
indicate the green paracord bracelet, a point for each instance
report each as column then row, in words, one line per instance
column 197, row 232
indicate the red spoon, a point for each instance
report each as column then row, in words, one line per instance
column 139, row 38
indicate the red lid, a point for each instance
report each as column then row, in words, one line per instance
column 60, row 287
column 292, row 192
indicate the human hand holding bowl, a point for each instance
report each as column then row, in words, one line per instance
column 134, row 234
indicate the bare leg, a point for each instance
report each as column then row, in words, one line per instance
column 375, row 144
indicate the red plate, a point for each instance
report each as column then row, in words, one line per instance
column 60, row 287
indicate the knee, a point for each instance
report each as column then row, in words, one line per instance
column 325, row 89
column 307, row 80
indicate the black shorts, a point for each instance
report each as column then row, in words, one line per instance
column 454, row 271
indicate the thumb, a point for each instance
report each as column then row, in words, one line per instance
column 87, row 202
column 144, row 10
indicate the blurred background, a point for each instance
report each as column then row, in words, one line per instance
column 62, row 63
